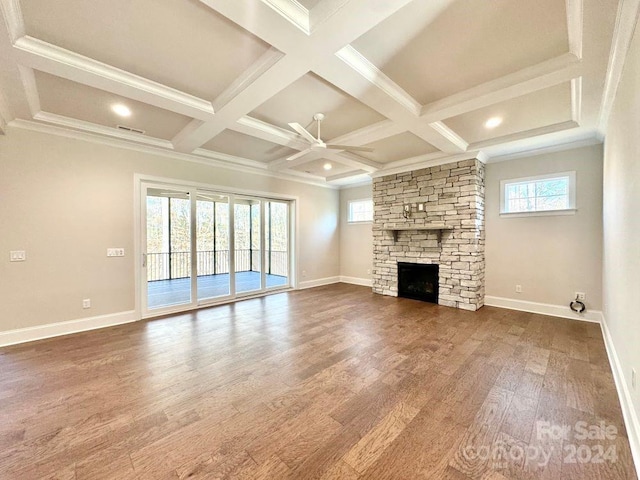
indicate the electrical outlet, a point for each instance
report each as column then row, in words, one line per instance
column 86, row 303
column 518, row 288
column 581, row 296
column 304, row 274
column 368, row 271
column 17, row 256
column 633, row 378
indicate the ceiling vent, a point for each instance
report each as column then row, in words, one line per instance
column 130, row 129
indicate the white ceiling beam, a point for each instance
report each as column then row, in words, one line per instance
column 301, row 51
column 369, row 134
column 248, row 77
column 342, row 75
column 375, row 76
column 626, row 21
column 58, row 61
column 28, row 79
column 293, row 11
column 574, row 26
column 537, row 77
column 450, row 135
column 12, row 14
column 261, row 20
column 271, row 133
column 278, row 77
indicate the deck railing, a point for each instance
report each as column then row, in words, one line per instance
column 174, row 265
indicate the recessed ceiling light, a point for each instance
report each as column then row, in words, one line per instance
column 493, row 122
column 121, row 110
column 328, row 166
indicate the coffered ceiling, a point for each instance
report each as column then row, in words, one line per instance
column 416, row 80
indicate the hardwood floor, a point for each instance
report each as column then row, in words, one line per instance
column 327, row 383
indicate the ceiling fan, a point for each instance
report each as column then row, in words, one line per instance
column 317, row 143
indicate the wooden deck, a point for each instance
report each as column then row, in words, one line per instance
column 172, row 292
column 326, row 383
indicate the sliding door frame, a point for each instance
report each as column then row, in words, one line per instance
column 141, row 181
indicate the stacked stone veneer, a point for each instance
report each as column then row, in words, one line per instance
column 454, row 197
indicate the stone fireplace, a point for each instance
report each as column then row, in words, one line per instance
column 432, row 216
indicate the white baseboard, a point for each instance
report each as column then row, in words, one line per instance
column 628, row 412
column 39, row 332
column 543, row 308
column 365, row 282
column 318, row 282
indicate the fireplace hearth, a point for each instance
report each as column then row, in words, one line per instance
column 418, row 281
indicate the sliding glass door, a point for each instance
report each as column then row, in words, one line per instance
column 276, row 235
column 212, row 239
column 168, row 247
column 202, row 247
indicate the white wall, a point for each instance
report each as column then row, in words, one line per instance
column 65, row 201
column 550, row 256
column 356, row 239
column 622, row 228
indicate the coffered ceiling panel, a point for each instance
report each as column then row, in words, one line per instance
column 538, row 109
column 181, row 44
column 316, row 167
column 245, row 146
column 309, row 95
column 398, row 147
column 434, row 49
column 80, row 102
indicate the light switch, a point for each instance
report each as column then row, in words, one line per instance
column 115, row 252
column 18, row 256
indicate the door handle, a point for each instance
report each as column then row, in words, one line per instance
column 144, row 260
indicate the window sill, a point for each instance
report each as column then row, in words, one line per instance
column 542, row 213
column 351, row 222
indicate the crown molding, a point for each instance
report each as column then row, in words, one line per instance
column 293, row 11
column 346, row 175
column 58, row 61
column 548, row 143
column 12, row 14
column 424, row 161
column 531, row 79
column 373, row 74
column 525, row 135
column 214, row 160
column 67, row 122
column 626, row 21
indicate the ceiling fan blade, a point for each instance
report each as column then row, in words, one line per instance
column 299, row 154
column 303, row 131
column 347, row 147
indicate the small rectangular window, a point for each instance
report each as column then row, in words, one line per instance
column 548, row 194
column 360, row 211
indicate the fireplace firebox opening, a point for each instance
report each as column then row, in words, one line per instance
column 418, row 281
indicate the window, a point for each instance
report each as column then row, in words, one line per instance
column 544, row 194
column 360, row 211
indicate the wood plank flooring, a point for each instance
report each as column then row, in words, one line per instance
column 328, row 383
